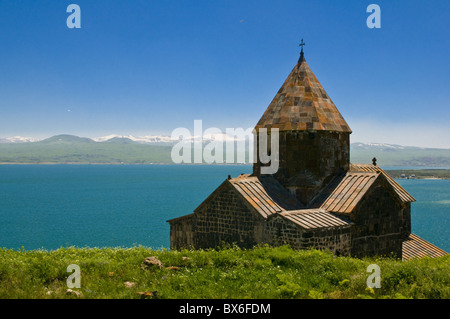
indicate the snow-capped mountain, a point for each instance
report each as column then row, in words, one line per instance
column 168, row 139
column 378, row 146
column 158, row 139
column 18, row 139
column 139, row 139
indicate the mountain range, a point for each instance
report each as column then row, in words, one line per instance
column 115, row 149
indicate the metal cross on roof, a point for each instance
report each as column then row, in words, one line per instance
column 301, row 45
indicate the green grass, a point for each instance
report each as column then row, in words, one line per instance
column 262, row 272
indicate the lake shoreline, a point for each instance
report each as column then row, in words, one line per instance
column 420, row 173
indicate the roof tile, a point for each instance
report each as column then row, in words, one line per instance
column 315, row 218
column 416, row 247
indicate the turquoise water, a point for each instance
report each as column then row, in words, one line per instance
column 50, row 206
column 430, row 214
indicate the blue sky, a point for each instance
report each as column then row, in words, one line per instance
column 148, row 67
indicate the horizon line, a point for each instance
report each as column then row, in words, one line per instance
column 98, row 139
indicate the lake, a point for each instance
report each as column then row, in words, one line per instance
column 53, row 206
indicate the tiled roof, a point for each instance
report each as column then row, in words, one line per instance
column 265, row 194
column 350, row 190
column 302, row 104
column 315, row 218
column 416, row 247
column 401, row 192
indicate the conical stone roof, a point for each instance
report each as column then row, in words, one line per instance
column 302, row 104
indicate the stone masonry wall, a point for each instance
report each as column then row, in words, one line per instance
column 226, row 219
column 280, row 231
column 182, row 233
column 381, row 224
column 308, row 160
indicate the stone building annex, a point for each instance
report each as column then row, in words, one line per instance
column 316, row 199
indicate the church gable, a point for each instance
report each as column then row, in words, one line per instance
column 404, row 196
column 223, row 201
column 223, row 187
column 382, row 221
column 226, row 216
column 380, row 215
column 348, row 193
column 380, row 205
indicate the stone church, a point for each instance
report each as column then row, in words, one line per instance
column 317, row 198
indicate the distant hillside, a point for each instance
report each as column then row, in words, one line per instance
column 120, row 140
column 397, row 155
column 66, row 139
column 73, row 149
column 130, row 150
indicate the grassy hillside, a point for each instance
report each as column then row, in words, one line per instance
column 260, row 273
